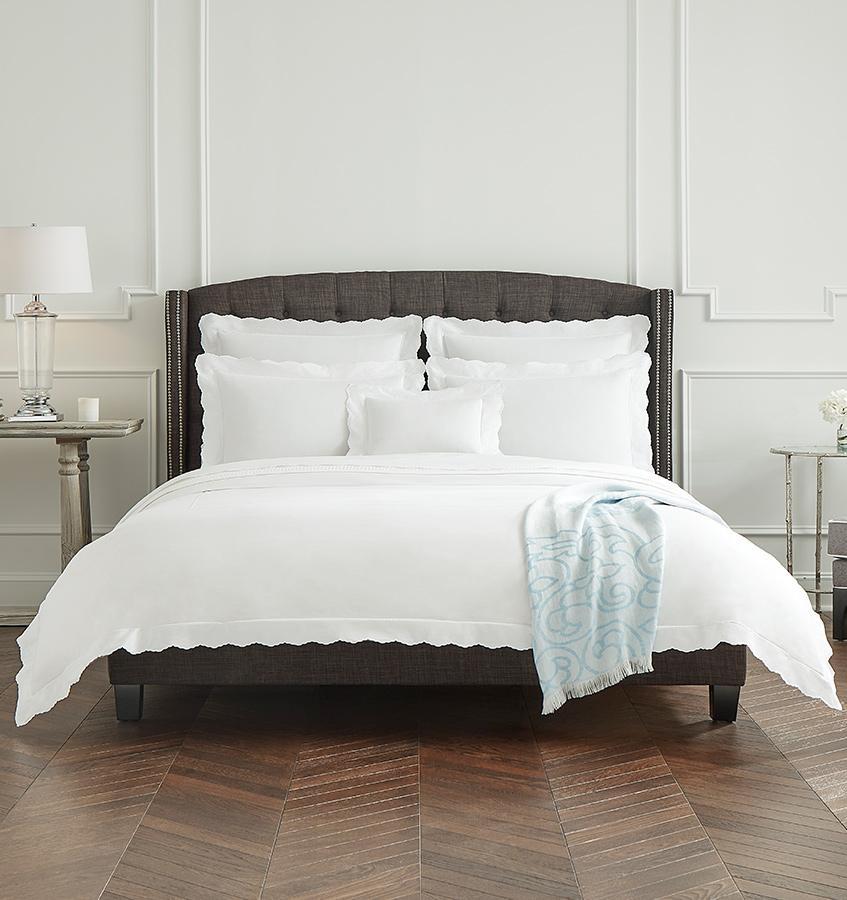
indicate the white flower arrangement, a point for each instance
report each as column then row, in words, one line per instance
column 834, row 407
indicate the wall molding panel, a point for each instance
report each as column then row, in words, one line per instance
column 203, row 169
column 122, row 308
column 632, row 140
column 687, row 379
column 711, row 293
column 21, row 593
column 632, row 132
column 151, row 288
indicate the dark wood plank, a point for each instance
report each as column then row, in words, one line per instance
column 24, row 752
column 350, row 826
column 775, row 835
column 449, row 793
column 64, row 837
column 211, row 827
column 809, row 734
column 630, row 830
column 488, row 822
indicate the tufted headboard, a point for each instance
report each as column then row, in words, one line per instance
column 345, row 296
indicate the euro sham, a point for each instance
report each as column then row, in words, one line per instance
column 547, row 342
column 327, row 343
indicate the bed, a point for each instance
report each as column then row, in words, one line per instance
column 490, row 644
column 365, row 295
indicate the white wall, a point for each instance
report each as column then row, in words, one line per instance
column 695, row 144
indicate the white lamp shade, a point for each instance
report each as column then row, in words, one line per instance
column 44, row 259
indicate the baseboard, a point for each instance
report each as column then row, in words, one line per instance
column 17, row 615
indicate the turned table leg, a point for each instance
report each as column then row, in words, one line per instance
column 85, row 499
column 76, row 508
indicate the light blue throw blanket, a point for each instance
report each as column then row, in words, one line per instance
column 594, row 564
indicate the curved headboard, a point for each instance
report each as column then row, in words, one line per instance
column 345, row 296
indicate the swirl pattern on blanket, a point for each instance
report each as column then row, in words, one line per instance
column 595, row 591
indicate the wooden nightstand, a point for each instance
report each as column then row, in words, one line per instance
column 72, row 438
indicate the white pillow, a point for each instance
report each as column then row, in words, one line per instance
column 259, row 410
column 290, row 340
column 550, row 342
column 456, row 420
column 590, row 411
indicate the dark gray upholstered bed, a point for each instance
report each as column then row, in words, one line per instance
column 507, row 296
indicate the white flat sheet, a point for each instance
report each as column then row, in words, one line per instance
column 414, row 548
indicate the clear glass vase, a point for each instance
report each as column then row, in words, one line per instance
column 841, row 437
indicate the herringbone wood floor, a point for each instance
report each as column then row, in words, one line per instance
column 383, row 793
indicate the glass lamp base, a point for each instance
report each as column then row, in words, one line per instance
column 36, row 409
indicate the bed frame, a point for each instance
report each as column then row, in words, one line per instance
column 507, row 296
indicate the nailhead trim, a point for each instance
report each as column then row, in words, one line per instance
column 173, row 345
column 181, row 386
column 168, row 380
column 658, row 383
column 662, row 398
column 669, row 383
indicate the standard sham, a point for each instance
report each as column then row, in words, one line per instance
column 593, row 411
column 260, row 409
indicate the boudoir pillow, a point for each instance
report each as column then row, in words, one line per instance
column 292, row 340
column 546, row 342
column 456, row 420
column 259, row 410
column 590, row 411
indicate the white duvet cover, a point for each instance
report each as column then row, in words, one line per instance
column 414, row 548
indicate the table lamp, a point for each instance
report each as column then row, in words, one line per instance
column 40, row 259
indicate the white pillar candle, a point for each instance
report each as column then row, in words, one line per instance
column 89, row 409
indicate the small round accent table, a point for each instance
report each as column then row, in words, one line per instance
column 820, row 453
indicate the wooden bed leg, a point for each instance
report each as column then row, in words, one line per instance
column 839, row 614
column 129, row 702
column 723, row 702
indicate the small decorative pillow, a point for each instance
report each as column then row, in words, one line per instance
column 457, row 420
column 542, row 342
column 327, row 343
